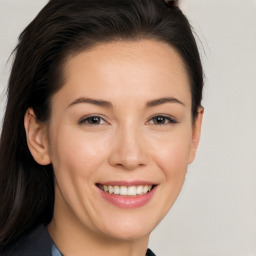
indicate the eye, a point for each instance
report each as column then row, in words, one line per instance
column 92, row 120
column 162, row 120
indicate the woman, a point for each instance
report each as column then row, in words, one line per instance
column 103, row 117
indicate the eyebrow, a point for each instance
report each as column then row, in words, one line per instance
column 101, row 103
column 161, row 101
column 107, row 104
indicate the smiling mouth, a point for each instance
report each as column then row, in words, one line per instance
column 126, row 190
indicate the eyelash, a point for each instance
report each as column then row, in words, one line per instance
column 98, row 120
column 86, row 120
column 167, row 120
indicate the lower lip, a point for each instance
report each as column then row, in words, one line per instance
column 128, row 202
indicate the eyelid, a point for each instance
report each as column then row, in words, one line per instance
column 85, row 118
column 171, row 119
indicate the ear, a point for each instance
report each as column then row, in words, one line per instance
column 37, row 139
column 196, row 134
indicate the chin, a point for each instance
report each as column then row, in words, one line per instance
column 129, row 234
column 130, row 227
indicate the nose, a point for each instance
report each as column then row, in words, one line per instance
column 128, row 149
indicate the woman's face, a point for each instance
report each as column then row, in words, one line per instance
column 121, row 122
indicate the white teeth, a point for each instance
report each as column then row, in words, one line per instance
column 123, row 190
column 116, row 190
column 139, row 190
column 126, row 191
column 110, row 190
column 132, row 191
column 145, row 189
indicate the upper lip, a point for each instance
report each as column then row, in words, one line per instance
column 126, row 183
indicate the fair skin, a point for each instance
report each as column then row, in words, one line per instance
column 122, row 118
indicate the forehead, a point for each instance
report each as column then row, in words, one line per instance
column 143, row 67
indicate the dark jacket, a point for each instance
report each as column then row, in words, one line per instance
column 39, row 243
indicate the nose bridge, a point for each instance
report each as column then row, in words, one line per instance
column 128, row 147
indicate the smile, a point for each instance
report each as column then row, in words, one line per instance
column 127, row 195
column 126, row 190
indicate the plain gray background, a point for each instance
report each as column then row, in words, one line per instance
column 215, row 214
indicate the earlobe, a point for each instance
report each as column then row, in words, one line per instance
column 196, row 134
column 36, row 138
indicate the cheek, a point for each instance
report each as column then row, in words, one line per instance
column 174, row 162
column 173, row 154
column 76, row 158
column 75, row 154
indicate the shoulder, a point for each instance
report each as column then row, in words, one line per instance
column 36, row 243
column 150, row 253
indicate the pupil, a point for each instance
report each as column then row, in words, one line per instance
column 95, row 120
column 160, row 120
